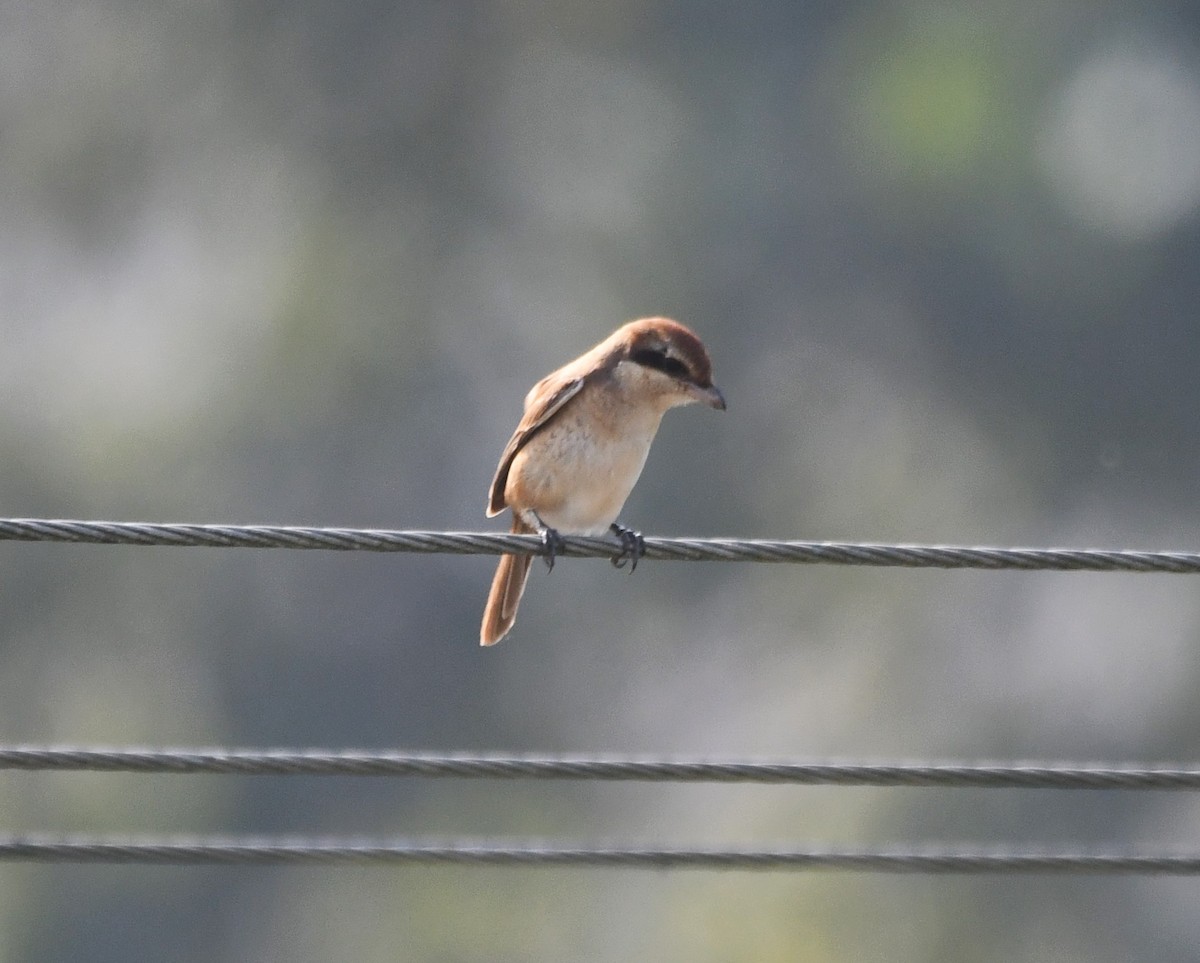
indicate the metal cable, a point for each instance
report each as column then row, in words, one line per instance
column 311, row 762
column 260, row 851
column 669, row 549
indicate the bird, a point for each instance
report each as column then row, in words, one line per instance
column 582, row 441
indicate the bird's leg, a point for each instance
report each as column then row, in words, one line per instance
column 552, row 542
column 633, row 546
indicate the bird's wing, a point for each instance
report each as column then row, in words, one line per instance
column 544, row 402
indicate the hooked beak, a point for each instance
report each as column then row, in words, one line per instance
column 710, row 396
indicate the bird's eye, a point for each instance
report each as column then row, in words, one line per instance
column 659, row 360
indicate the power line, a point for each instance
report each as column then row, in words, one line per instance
column 667, row 549
column 262, row 851
column 222, row 850
column 312, row 762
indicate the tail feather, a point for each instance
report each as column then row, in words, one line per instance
column 508, row 585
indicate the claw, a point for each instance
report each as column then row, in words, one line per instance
column 633, row 546
column 553, row 544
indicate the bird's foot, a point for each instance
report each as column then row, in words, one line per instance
column 633, row 546
column 552, row 545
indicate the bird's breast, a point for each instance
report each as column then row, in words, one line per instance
column 577, row 472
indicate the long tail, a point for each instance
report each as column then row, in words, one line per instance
column 508, row 586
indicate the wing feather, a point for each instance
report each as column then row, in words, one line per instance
column 544, row 402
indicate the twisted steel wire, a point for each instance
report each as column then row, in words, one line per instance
column 310, row 762
column 263, row 851
column 74, row 849
column 667, row 549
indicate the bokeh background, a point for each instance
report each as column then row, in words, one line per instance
column 298, row 263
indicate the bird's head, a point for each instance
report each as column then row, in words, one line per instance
column 670, row 361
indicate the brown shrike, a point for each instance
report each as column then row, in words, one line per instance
column 582, row 442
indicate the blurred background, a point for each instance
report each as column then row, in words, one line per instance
column 298, row 263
